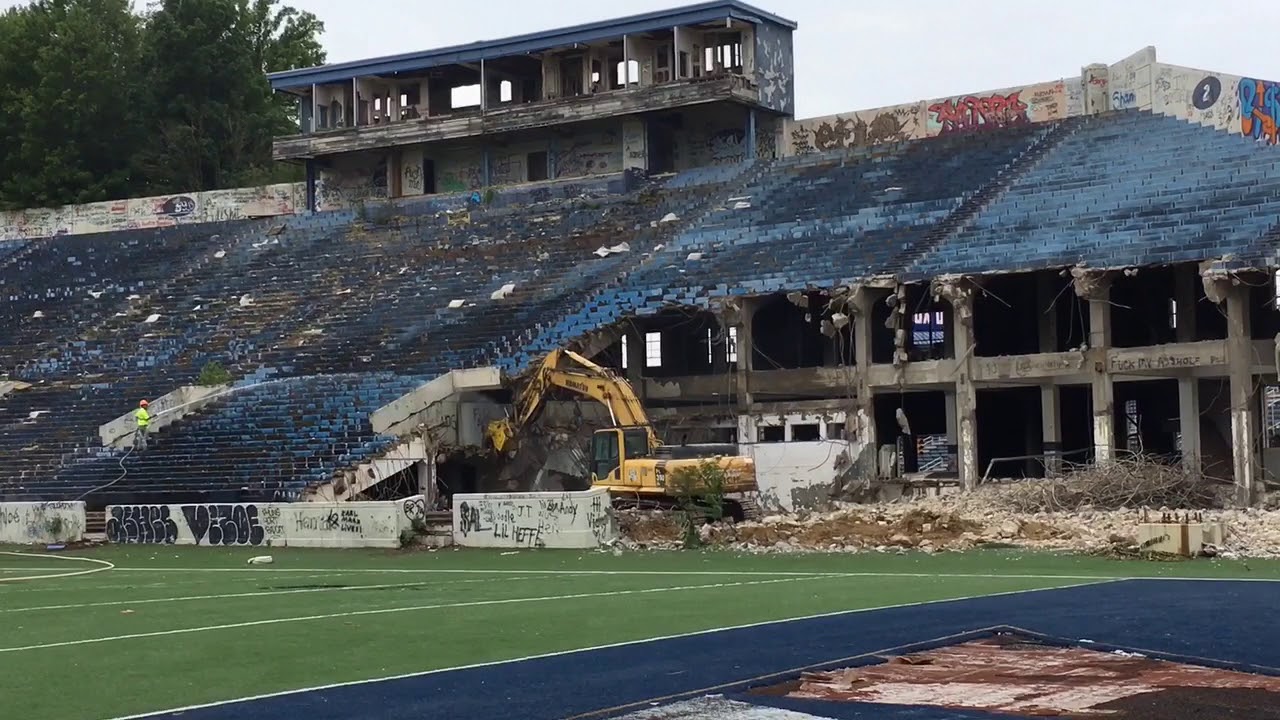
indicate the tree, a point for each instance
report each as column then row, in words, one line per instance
column 97, row 102
column 70, row 73
column 213, row 112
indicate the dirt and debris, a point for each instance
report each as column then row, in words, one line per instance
column 1008, row 675
column 988, row 517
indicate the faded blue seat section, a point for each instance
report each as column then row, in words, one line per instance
column 807, row 221
column 1128, row 188
column 349, row 310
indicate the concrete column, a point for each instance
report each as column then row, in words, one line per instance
column 626, row 62
column 959, row 292
column 953, row 437
column 863, row 420
column 1050, row 430
column 484, row 171
column 1189, row 422
column 966, row 394
column 484, row 103
column 746, row 345
column 1048, row 288
column 1095, row 287
column 750, row 140
column 1239, row 360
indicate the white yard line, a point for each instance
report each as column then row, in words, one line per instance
column 255, row 594
column 628, row 643
column 384, row 611
column 706, row 573
column 100, row 566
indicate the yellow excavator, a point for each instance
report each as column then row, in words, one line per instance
column 628, row 458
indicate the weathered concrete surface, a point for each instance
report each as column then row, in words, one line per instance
column 434, row 403
column 332, row 525
column 40, row 523
column 534, row 520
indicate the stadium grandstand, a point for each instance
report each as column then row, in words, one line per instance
column 981, row 286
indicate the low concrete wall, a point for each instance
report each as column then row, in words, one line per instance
column 155, row 212
column 40, row 523
column 312, row 524
column 533, row 520
column 165, row 410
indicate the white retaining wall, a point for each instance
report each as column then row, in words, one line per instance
column 533, row 520
column 39, row 523
column 310, row 524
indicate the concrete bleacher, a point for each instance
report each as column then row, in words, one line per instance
column 324, row 318
column 310, row 298
column 1127, row 188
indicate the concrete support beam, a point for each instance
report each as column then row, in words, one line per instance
column 746, row 349
column 959, row 292
column 953, row 431
column 1050, row 430
column 1244, row 439
column 1095, row 287
column 1189, row 423
column 863, row 425
column 1048, row 288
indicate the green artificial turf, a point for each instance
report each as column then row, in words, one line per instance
column 172, row 626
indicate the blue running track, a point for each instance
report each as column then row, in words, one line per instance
column 1223, row 622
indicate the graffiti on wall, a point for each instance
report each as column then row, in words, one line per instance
column 30, row 523
column 346, row 185
column 590, row 154
column 1197, row 96
column 975, row 113
column 154, row 212
column 366, row 524
column 534, row 520
column 858, row 129
column 1259, row 109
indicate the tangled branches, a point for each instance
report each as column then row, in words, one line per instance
column 1131, row 481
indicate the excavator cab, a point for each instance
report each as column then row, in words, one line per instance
column 612, row 447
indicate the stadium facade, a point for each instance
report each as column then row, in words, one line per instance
column 990, row 284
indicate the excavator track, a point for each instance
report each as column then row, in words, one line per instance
column 735, row 508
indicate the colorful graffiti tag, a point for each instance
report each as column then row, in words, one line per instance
column 1259, row 109
column 973, row 114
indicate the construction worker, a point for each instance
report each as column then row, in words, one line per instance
column 144, row 421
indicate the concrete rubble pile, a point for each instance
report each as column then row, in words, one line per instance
column 950, row 523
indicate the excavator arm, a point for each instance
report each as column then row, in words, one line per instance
column 571, row 371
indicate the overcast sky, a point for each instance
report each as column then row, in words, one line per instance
column 853, row 54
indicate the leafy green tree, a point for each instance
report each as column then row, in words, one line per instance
column 213, row 111
column 70, row 72
column 97, row 102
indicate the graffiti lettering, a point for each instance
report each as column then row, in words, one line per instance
column 415, row 509
column 349, row 522
column 598, row 519
column 1123, row 99
column 145, row 524
column 974, row 114
column 1260, row 109
column 224, row 524
column 470, row 519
